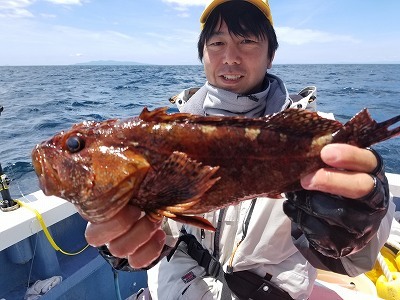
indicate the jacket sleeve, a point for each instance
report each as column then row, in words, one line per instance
column 353, row 264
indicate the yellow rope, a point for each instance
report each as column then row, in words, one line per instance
column 46, row 231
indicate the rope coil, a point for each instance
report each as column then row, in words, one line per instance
column 393, row 241
column 385, row 267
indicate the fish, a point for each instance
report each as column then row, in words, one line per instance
column 179, row 165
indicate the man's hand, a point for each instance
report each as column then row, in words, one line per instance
column 128, row 235
column 350, row 173
column 340, row 208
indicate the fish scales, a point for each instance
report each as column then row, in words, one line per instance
column 179, row 165
column 230, row 148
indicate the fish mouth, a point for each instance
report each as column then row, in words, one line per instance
column 45, row 174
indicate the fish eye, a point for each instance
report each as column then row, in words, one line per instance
column 75, row 144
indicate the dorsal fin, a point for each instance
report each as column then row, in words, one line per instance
column 298, row 121
column 302, row 122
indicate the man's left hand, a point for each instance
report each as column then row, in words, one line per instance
column 341, row 206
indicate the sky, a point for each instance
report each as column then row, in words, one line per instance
column 165, row 32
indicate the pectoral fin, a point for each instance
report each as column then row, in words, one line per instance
column 191, row 220
column 175, row 186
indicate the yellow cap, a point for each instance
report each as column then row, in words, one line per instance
column 260, row 4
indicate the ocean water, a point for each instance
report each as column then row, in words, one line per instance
column 39, row 101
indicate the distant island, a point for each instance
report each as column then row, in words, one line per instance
column 109, row 63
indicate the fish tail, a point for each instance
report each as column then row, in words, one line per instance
column 363, row 131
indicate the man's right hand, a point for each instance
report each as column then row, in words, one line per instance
column 128, row 235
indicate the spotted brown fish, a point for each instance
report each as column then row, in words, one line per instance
column 180, row 165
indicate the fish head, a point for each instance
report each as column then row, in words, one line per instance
column 90, row 168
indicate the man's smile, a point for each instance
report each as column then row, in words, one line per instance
column 231, row 77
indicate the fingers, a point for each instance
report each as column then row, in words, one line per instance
column 143, row 232
column 346, row 184
column 348, row 176
column 128, row 235
column 101, row 233
column 148, row 252
column 141, row 245
column 343, row 156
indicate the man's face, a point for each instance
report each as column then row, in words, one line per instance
column 234, row 63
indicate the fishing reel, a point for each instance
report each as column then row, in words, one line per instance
column 7, row 204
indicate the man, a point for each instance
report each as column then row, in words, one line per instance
column 267, row 248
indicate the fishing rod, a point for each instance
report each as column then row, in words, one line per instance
column 7, row 204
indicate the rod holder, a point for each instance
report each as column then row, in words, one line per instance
column 7, row 204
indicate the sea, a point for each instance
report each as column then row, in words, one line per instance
column 40, row 101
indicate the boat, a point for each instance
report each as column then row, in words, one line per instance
column 42, row 242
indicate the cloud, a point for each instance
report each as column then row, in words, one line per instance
column 19, row 8
column 48, row 16
column 295, row 36
column 15, row 9
column 66, row 2
column 187, row 2
column 56, row 44
column 183, row 5
column 9, row 4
